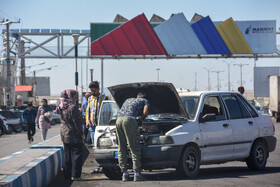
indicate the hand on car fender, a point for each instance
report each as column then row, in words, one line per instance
column 139, row 122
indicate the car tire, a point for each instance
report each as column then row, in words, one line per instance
column 9, row 130
column 24, row 126
column 258, row 156
column 113, row 173
column 17, row 128
column 189, row 162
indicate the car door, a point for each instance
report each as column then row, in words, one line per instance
column 243, row 124
column 217, row 134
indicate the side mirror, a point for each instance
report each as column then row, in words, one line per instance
column 207, row 117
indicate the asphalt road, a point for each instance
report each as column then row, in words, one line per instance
column 11, row 143
column 228, row 174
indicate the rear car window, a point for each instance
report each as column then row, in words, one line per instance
column 232, row 106
column 248, row 106
column 8, row 114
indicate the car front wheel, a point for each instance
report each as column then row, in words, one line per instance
column 189, row 162
column 258, row 156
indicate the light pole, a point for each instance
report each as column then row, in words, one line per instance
column 158, row 74
column 228, row 64
column 241, row 65
column 208, row 70
column 218, row 78
column 91, row 74
column 76, row 37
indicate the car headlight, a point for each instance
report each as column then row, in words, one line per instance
column 158, row 140
column 105, row 142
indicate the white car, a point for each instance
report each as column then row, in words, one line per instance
column 186, row 131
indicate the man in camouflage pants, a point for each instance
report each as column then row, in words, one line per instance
column 128, row 133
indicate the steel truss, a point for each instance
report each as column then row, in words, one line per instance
column 52, row 36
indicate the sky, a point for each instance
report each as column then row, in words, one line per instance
column 68, row 14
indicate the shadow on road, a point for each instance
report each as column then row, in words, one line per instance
column 210, row 173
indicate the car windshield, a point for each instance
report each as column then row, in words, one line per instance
column 108, row 114
column 190, row 104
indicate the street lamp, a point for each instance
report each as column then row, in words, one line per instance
column 208, row 70
column 91, row 74
column 228, row 64
column 218, row 79
column 76, row 37
column 240, row 65
column 158, row 74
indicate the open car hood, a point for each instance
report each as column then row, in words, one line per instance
column 163, row 97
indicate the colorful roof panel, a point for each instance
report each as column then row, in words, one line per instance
column 178, row 37
column 233, row 37
column 135, row 37
column 209, row 36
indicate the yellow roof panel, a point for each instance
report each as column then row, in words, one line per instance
column 233, row 37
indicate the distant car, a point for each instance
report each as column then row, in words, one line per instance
column 5, row 128
column 19, row 115
column 13, row 120
column 55, row 118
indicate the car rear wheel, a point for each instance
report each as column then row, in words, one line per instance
column 258, row 156
column 113, row 173
column 189, row 162
column 17, row 128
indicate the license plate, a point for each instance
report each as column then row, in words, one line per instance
column 128, row 156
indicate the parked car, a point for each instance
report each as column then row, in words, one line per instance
column 5, row 128
column 13, row 120
column 55, row 118
column 186, row 131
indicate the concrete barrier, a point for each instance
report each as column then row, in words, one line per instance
column 34, row 167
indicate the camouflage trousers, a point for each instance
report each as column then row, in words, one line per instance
column 128, row 135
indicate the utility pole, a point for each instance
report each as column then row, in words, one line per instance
column 34, row 86
column 158, row 74
column 195, row 81
column 209, row 85
column 228, row 64
column 241, row 66
column 22, row 64
column 8, row 23
column 76, row 37
column 218, row 78
column 91, row 75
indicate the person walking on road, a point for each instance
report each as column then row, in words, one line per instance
column 43, row 118
column 93, row 108
column 84, row 109
column 128, row 133
column 29, row 116
column 72, row 134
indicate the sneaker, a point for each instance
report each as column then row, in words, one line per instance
column 32, row 139
column 139, row 177
column 29, row 141
column 78, row 179
column 125, row 177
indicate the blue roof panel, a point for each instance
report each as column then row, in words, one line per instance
column 178, row 37
column 210, row 37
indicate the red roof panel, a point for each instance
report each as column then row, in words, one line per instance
column 135, row 37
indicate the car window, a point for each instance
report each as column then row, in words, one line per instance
column 248, row 106
column 8, row 114
column 108, row 114
column 190, row 104
column 233, row 106
column 212, row 105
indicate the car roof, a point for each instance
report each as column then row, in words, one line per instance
column 199, row 93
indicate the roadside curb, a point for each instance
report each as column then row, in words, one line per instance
column 46, row 161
